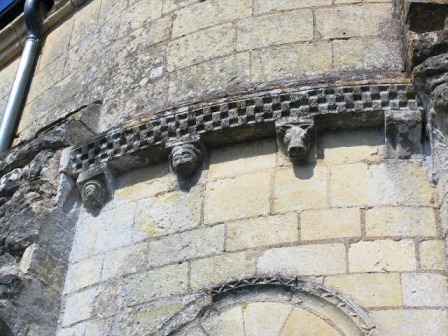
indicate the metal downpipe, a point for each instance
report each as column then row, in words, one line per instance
column 35, row 11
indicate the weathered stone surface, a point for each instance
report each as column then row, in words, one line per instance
column 184, row 246
column 230, row 321
column 261, row 231
column 155, row 284
column 274, row 29
column 83, row 274
column 300, row 188
column 303, row 260
column 398, row 221
column 212, row 271
column 240, row 197
column 130, row 259
column 383, row 256
column 433, row 255
column 78, row 306
column 264, row 6
column 7, row 77
column 190, row 49
column 210, row 13
column 265, row 317
column 288, row 61
column 369, row 290
column 242, row 158
column 168, row 213
column 138, row 14
column 410, row 322
column 303, row 322
column 425, row 290
column 85, row 22
column 171, row 5
column 329, row 224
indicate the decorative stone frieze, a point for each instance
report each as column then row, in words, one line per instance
column 96, row 186
column 185, row 155
column 403, row 133
column 245, row 116
column 296, row 136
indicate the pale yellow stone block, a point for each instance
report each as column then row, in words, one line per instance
column 56, row 44
column 242, row 158
column 168, row 213
column 410, row 322
column 433, row 255
column 302, row 322
column 240, row 197
column 382, row 256
column 317, row 259
column 46, row 78
column 274, row 29
column 208, row 77
column 190, row 49
column 348, row 184
column 261, row 231
column 265, row 318
column 209, row 13
column 400, row 221
column 140, row 13
column 350, row 146
column 85, row 22
column 369, row 290
column 349, row 21
column 171, row 5
column 229, row 322
column 130, row 259
column 300, row 188
column 331, row 223
column 158, row 283
column 111, row 9
column 7, row 75
column 143, row 183
column 264, row 6
column 310, row 59
column 79, row 306
column 83, row 274
column 425, row 290
column 209, row 272
column 187, row 245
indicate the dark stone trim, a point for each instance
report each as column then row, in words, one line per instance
column 144, row 142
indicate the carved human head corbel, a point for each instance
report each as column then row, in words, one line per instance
column 185, row 155
column 296, row 136
column 96, row 186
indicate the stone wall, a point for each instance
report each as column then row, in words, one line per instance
column 232, row 238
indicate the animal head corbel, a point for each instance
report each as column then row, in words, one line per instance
column 296, row 136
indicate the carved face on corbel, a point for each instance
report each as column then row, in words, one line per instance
column 185, row 159
column 297, row 138
column 94, row 194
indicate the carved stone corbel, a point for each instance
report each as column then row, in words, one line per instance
column 185, row 155
column 403, row 133
column 296, row 136
column 96, row 186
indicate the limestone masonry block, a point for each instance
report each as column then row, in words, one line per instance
column 170, row 5
column 287, row 61
column 189, row 50
column 209, row 272
column 425, row 290
column 83, row 274
column 168, row 213
column 230, row 321
column 265, row 317
column 85, row 22
column 261, row 231
column 349, row 185
column 274, row 29
column 129, row 259
column 331, row 223
column 264, row 6
column 187, row 245
column 303, row 260
column 410, row 322
column 140, row 13
column 240, row 197
column 242, row 158
column 369, row 290
column 400, row 221
column 382, row 256
column 162, row 282
column 56, row 44
column 79, row 306
column 300, row 188
column 307, row 323
column 432, row 255
column 209, row 13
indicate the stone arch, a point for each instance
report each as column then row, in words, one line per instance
column 271, row 306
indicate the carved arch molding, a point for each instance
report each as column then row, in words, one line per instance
column 270, row 306
column 295, row 115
